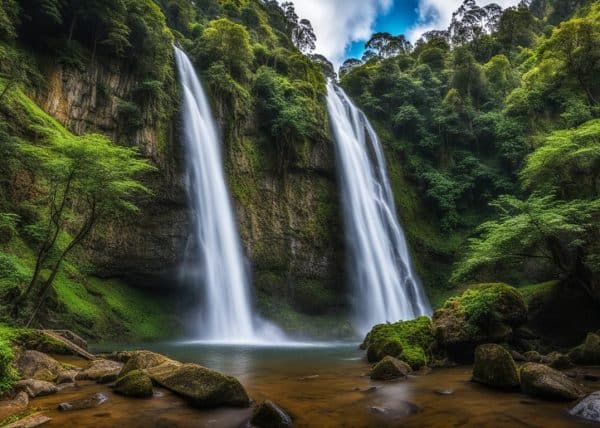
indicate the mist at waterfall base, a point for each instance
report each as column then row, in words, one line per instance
column 385, row 286
column 215, row 261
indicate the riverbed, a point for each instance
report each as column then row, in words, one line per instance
column 320, row 386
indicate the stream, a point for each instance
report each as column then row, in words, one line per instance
column 320, row 386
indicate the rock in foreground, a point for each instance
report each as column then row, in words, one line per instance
column 495, row 367
column 135, row 383
column 36, row 365
column 389, row 368
column 94, row 400
column 35, row 388
column 103, row 371
column 588, row 408
column 542, row 381
column 269, row 415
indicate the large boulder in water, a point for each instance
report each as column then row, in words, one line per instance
column 588, row 352
column 495, row 367
column 409, row 341
column 389, row 368
column 203, row 387
column 270, row 415
column 37, row 365
column 140, row 360
column 135, row 383
column 542, row 381
column 486, row 313
column 588, row 408
column 35, row 388
column 102, row 371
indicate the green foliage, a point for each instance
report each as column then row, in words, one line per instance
column 8, row 373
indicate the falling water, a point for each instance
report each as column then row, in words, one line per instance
column 227, row 310
column 386, row 287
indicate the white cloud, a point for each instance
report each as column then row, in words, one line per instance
column 338, row 23
column 437, row 14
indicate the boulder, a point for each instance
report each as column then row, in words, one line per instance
column 135, row 383
column 588, row 352
column 203, row 387
column 269, row 415
column 94, row 400
column 66, row 376
column 140, row 360
column 389, row 368
column 542, row 381
column 495, row 367
column 409, row 341
column 559, row 361
column 588, row 408
column 533, row 356
column 101, row 370
column 486, row 313
column 35, row 388
column 37, row 365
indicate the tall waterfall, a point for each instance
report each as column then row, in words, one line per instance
column 219, row 264
column 386, row 287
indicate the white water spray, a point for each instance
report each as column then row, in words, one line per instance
column 386, row 288
column 219, row 264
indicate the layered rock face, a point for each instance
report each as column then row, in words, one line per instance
column 289, row 221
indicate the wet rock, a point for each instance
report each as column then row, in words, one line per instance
column 101, row 370
column 441, row 391
column 377, row 410
column 588, row 352
column 409, row 341
column 486, row 313
column 389, row 368
column 31, row 421
column 66, row 376
column 495, row 367
column 559, row 361
column 542, row 381
column 37, row 365
column 533, row 356
column 140, row 360
column 85, row 403
column 588, row 408
column 517, row 356
column 203, row 387
column 35, row 388
column 311, row 377
column 135, row 383
column 14, row 406
column 269, row 415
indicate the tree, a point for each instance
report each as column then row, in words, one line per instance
column 384, row 45
column 304, row 36
column 8, row 19
column 470, row 22
column 90, row 179
column 349, row 65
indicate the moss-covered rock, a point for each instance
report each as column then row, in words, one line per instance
column 409, row 341
column 203, row 387
column 486, row 313
column 559, row 361
column 495, row 367
column 37, row 365
column 389, row 368
column 139, row 360
column 270, row 415
column 542, row 381
column 135, row 383
column 588, row 352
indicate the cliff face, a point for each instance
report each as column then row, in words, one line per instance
column 288, row 222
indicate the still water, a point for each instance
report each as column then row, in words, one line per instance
column 320, row 386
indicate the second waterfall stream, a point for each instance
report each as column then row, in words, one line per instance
column 385, row 286
column 218, row 262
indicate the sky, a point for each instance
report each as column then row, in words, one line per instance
column 343, row 26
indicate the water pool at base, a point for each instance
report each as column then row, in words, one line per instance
column 320, row 386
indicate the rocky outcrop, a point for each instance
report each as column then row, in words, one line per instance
column 542, row 381
column 588, row 408
column 39, row 366
column 486, row 313
column 389, row 368
column 270, row 415
column 140, row 360
column 494, row 366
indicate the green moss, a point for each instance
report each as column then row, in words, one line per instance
column 33, row 339
column 8, row 373
column 534, row 292
column 409, row 341
column 136, row 383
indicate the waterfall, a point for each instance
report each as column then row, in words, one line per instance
column 385, row 285
column 218, row 266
